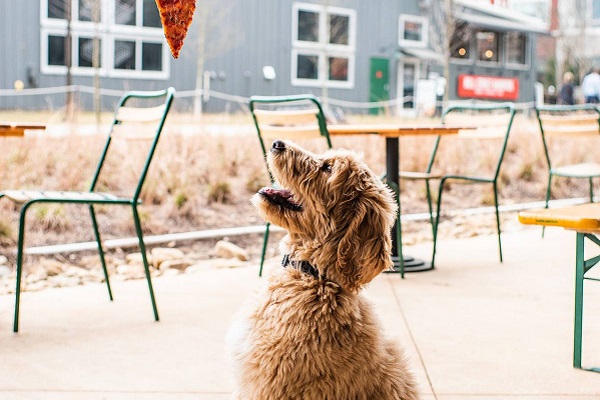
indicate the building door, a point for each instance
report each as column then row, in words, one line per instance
column 379, row 83
column 408, row 75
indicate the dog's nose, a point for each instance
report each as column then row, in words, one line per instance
column 278, row 146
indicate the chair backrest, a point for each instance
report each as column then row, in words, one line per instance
column 490, row 122
column 561, row 125
column 296, row 117
column 139, row 116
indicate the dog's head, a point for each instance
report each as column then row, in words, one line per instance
column 337, row 212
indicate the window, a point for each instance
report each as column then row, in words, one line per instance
column 413, row 31
column 595, row 11
column 323, row 47
column 130, row 38
column 516, row 47
column 460, row 43
column 487, row 46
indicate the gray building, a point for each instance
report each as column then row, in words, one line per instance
column 347, row 50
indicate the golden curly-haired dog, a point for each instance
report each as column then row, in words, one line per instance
column 311, row 335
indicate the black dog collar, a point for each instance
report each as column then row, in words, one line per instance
column 302, row 266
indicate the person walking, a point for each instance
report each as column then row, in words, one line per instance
column 566, row 91
column 591, row 86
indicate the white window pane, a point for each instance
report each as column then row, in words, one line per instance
column 308, row 67
column 338, row 69
column 152, row 56
column 308, row 26
column 125, row 12
column 339, row 27
column 124, row 54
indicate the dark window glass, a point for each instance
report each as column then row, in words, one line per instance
column 308, row 26
column 124, row 54
column 413, row 31
column 487, row 46
column 308, row 67
column 339, row 29
column 56, row 50
column 86, row 8
column 57, row 9
column 125, row 12
column 151, row 15
column 408, row 75
column 86, row 52
column 151, row 56
column 338, row 69
column 460, row 43
column 515, row 48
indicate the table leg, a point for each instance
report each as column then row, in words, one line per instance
column 392, row 160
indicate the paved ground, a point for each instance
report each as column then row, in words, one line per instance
column 473, row 329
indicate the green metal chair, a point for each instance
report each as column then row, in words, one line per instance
column 565, row 127
column 139, row 115
column 297, row 117
column 493, row 122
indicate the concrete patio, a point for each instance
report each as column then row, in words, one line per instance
column 472, row 328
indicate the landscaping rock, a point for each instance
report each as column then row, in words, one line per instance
column 162, row 254
column 226, row 249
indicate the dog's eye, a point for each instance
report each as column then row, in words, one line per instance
column 326, row 167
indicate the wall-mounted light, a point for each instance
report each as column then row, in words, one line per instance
column 489, row 54
column 19, row 85
column 462, row 51
column 269, row 72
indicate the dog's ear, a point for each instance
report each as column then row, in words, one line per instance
column 364, row 238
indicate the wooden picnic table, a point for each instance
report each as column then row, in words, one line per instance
column 584, row 219
column 17, row 128
column 392, row 133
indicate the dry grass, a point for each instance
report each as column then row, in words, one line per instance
column 202, row 180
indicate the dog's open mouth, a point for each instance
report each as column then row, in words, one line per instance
column 280, row 197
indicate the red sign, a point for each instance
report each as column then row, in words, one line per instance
column 488, row 87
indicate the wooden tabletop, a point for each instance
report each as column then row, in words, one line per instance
column 17, row 128
column 394, row 130
column 581, row 218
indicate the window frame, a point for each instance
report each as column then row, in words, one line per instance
column 322, row 48
column 109, row 32
column 402, row 42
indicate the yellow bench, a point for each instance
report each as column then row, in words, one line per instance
column 584, row 219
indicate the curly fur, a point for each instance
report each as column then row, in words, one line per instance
column 318, row 338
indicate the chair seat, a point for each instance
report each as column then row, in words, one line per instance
column 418, row 175
column 22, row 196
column 584, row 170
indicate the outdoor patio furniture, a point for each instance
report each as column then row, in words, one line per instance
column 584, row 219
column 297, row 117
column 570, row 127
column 139, row 115
column 483, row 147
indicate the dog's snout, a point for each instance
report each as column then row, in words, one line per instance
column 278, row 146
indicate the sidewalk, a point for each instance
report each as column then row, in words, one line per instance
column 473, row 328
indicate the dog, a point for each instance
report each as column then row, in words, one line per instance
column 311, row 335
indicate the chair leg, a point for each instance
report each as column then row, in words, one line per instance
column 591, row 190
column 100, row 251
column 547, row 199
column 20, row 247
column 428, row 189
column 138, row 229
column 264, row 248
column 399, row 233
column 579, row 271
column 437, row 221
column 497, row 219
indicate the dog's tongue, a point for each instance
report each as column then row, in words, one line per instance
column 281, row 197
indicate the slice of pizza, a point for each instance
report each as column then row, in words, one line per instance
column 176, row 17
